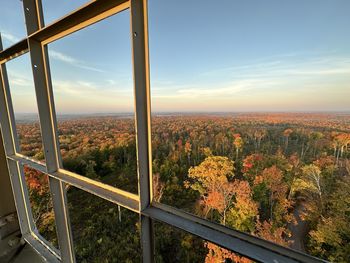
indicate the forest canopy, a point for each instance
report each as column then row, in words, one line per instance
column 281, row 177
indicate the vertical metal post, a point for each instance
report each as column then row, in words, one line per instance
column 11, row 145
column 139, row 31
column 7, row 204
column 47, row 116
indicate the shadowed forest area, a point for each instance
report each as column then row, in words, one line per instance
column 283, row 177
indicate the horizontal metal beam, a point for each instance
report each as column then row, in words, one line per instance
column 45, row 243
column 82, row 17
column 14, row 51
column 45, row 252
column 244, row 244
column 110, row 193
column 239, row 242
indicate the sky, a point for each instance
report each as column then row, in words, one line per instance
column 234, row 55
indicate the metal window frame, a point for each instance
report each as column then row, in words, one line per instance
column 36, row 44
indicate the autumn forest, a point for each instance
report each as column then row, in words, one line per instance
column 283, row 177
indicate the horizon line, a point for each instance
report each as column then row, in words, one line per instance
column 193, row 112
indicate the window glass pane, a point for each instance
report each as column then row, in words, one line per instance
column 102, row 231
column 92, row 84
column 54, row 10
column 41, row 204
column 12, row 23
column 25, row 107
column 175, row 245
column 251, row 117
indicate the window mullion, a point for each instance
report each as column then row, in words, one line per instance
column 143, row 130
column 11, row 146
column 44, row 95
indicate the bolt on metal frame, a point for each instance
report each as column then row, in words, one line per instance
column 35, row 43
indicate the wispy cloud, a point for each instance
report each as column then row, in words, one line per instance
column 17, row 79
column 72, row 61
column 9, row 37
column 295, row 81
column 84, row 96
column 255, row 66
column 81, row 88
column 322, row 72
column 303, row 64
column 62, row 57
column 221, row 90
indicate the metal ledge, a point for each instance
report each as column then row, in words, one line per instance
column 78, row 19
column 82, row 17
column 239, row 242
column 244, row 244
column 14, row 51
column 110, row 193
column 44, row 251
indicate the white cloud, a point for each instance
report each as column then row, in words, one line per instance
column 82, row 96
column 313, row 81
column 82, row 88
column 9, row 37
column 305, row 64
column 228, row 89
column 221, row 90
column 17, row 80
column 62, row 57
column 322, row 71
column 22, row 82
column 72, row 61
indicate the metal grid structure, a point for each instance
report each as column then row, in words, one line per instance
column 38, row 36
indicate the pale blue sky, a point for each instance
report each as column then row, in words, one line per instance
column 227, row 55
